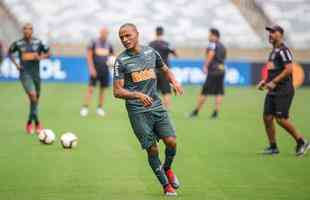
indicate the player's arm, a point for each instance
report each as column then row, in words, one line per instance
column 262, row 84
column 120, row 92
column 12, row 50
column 90, row 60
column 210, row 54
column 44, row 52
column 288, row 69
column 173, row 51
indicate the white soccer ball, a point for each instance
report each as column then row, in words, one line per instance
column 47, row 136
column 110, row 62
column 68, row 140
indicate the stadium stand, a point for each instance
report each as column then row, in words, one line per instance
column 72, row 21
column 293, row 15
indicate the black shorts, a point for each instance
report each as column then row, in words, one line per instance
column 163, row 84
column 214, row 84
column 102, row 77
column 278, row 105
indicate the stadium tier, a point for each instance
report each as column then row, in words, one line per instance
column 187, row 21
column 293, row 15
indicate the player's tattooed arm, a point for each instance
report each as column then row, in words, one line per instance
column 209, row 57
column 177, row 87
column 90, row 63
column 285, row 73
column 120, row 92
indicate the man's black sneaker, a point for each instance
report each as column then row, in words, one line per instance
column 193, row 114
column 301, row 149
column 271, row 151
column 214, row 115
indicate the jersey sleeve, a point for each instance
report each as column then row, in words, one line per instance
column 211, row 46
column 111, row 49
column 286, row 55
column 171, row 48
column 44, row 48
column 91, row 45
column 159, row 61
column 13, row 48
column 119, row 72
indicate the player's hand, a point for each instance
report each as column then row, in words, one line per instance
column 261, row 85
column 205, row 69
column 37, row 56
column 93, row 73
column 271, row 85
column 145, row 99
column 177, row 89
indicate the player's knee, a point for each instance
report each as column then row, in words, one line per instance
column 33, row 96
column 280, row 120
column 170, row 142
column 153, row 150
column 268, row 118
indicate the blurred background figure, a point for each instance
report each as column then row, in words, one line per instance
column 214, row 68
column 165, row 50
column 1, row 52
column 30, row 52
column 98, row 52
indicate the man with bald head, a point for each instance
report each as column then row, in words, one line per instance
column 135, row 81
column 30, row 52
column 98, row 52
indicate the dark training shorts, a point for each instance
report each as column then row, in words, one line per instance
column 31, row 83
column 278, row 105
column 102, row 78
column 214, row 84
column 151, row 126
column 163, row 84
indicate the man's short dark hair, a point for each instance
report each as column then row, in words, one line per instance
column 215, row 32
column 159, row 30
column 130, row 25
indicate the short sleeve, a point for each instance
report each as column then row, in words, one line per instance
column 111, row 49
column 44, row 47
column 159, row 61
column 13, row 48
column 171, row 48
column 91, row 45
column 286, row 56
column 211, row 46
column 119, row 72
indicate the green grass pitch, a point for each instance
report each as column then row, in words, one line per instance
column 216, row 159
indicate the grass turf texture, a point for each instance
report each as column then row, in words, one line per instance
column 216, row 159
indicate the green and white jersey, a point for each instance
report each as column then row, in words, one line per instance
column 26, row 51
column 138, row 73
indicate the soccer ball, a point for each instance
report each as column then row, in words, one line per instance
column 68, row 140
column 46, row 136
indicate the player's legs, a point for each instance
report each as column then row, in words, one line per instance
column 164, row 129
column 30, row 89
column 270, row 130
column 104, row 80
column 218, row 91
column 142, row 125
column 37, row 84
column 155, row 164
column 218, row 103
column 268, row 118
column 88, row 96
column 282, row 117
column 200, row 102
